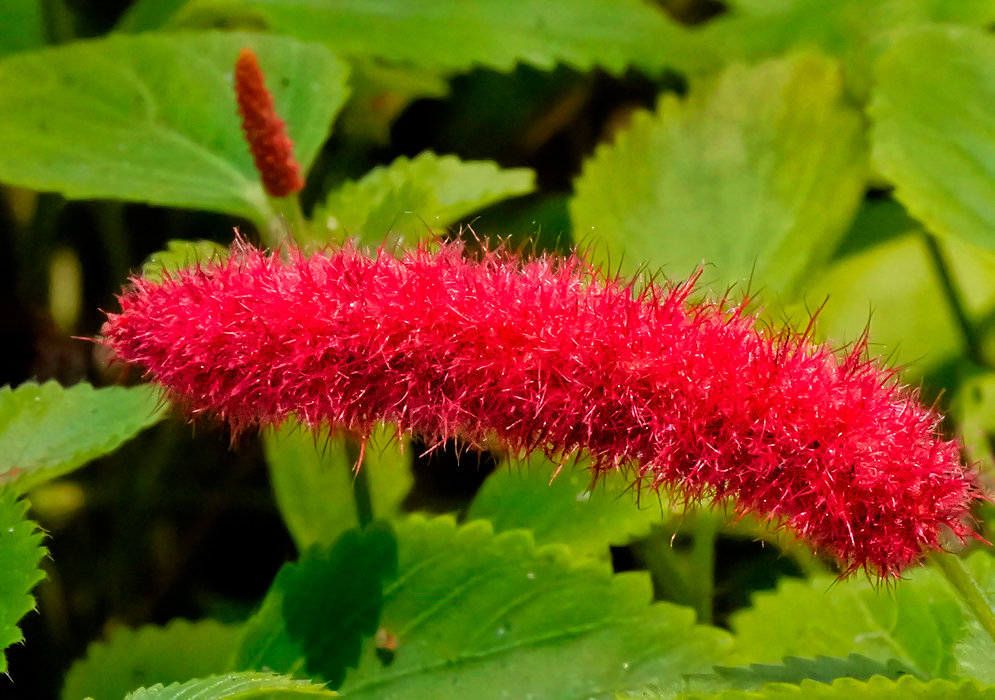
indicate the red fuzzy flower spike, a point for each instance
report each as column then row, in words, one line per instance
column 548, row 355
column 271, row 148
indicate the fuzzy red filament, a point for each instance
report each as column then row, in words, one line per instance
column 271, row 148
column 548, row 355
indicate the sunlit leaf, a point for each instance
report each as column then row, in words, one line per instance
column 414, row 198
column 756, row 174
column 179, row 255
column 455, row 35
column 152, row 117
column 47, row 431
column 934, row 115
column 474, row 615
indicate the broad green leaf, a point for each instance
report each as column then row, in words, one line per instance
column 22, row 26
column 20, row 554
column 756, row 174
column 132, row 659
column 47, row 431
column 919, row 622
column 235, row 686
column 456, row 35
column 413, row 198
column 313, row 481
column 824, row 669
column 319, row 609
column 934, row 116
column 474, row 615
column 152, row 117
column 179, row 255
column 567, row 509
column 876, row 688
column 854, row 31
column 893, row 289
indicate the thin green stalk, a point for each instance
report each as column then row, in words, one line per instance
column 963, row 583
column 952, row 293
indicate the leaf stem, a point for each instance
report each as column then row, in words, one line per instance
column 954, row 300
column 964, row 584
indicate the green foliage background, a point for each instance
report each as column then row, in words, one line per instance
column 832, row 155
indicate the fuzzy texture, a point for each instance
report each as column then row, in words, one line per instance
column 271, row 148
column 548, row 355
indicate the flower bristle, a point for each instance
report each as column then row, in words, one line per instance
column 271, row 147
column 547, row 355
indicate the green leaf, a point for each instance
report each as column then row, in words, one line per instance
column 878, row 286
column 131, row 659
column 413, row 198
column 152, row 117
column 22, row 26
column 455, row 35
column 918, row 623
column 20, row 554
column 568, row 509
column 235, row 686
column 47, row 431
column 934, row 114
column 876, row 688
column 823, row 669
column 319, row 609
column 854, row 31
column 179, row 255
column 757, row 174
column 474, row 615
column 313, row 481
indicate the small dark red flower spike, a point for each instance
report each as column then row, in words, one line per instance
column 271, row 148
column 548, row 355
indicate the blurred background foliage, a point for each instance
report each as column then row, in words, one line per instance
column 627, row 136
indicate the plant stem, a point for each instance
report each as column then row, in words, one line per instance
column 954, row 300
column 961, row 580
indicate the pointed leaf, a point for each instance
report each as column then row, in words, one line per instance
column 131, row 659
column 934, row 115
column 474, row 615
column 152, row 117
column 756, row 174
column 20, row 554
column 851, row 30
column 455, row 35
column 47, row 431
column 919, row 623
column 319, row 609
column 414, row 198
column 179, row 255
column 236, row 686
column 876, row 688
column 567, row 509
